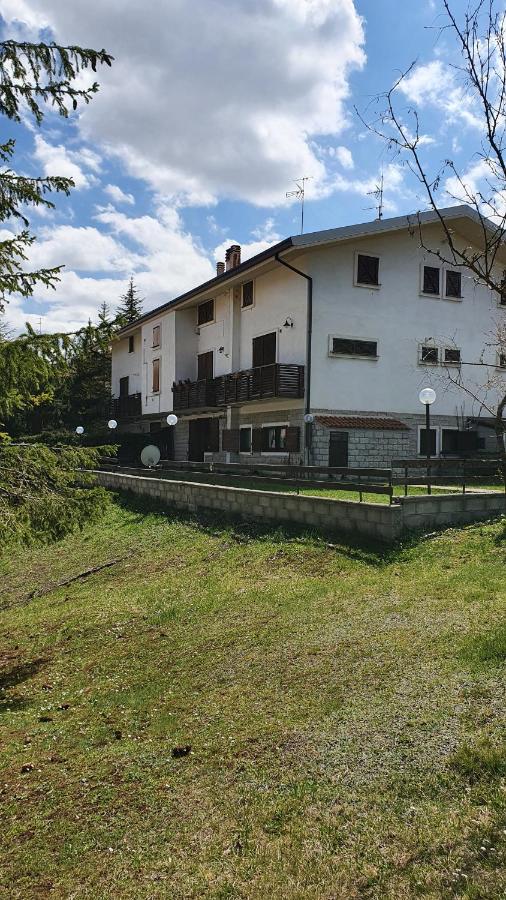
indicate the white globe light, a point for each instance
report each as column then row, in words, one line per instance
column 79, row 429
column 309, row 418
column 427, row 396
column 112, row 423
column 172, row 419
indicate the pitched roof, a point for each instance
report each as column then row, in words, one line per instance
column 361, row 422
column 314, row 239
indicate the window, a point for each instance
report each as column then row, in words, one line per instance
column 205, row 312
column 452, row 356
column 453, row 285
column 502, row 295
column 156, row 376
column 156, row 336
column 247, row 294
column 264, row 350
column 429, row 355
column 245, row 439
column 274, row 439
column 422, row 441
column 354, row 347
column 450, row 444
column 367, row 270
column 131, row 344
column 123, row 386
column 502, row 361
column 430, row 283
column 205, row 365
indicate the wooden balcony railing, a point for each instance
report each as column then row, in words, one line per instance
column 127, row 407
column 276, row 380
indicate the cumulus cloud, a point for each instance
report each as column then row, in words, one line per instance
column 233, row 119
column 265, row 235
column 343, row 156
column 119, row 196
column 58, row 160
column 436, row 84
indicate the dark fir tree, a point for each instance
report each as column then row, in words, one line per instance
column 31, row 76
column 131, row 306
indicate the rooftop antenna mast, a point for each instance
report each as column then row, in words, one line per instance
column 377, row 193
column 299, row 194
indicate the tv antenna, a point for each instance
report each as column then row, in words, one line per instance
column 377, row 193
column 299, row 194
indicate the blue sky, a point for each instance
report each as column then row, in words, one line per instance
column 205, row 121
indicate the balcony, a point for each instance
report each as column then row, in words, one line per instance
column 127, row 407
column 276, row 380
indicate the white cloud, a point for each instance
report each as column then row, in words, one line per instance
column 436, row 84
column 118, row 195
column 265, row 236
column 83, row 249
column 393, row 184
column 343, row 156
column 58, row 160
column 221, row 99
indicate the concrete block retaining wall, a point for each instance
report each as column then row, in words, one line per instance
column 375, row 521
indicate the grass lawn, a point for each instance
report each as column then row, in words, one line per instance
column 345, row 708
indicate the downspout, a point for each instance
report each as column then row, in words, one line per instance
column 307, row 371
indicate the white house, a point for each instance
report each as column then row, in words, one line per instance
column 346, row 325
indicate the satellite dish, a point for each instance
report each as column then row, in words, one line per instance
column 150, row 456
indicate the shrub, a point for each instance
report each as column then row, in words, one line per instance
column 45, row 494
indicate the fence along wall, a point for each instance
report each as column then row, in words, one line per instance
column 375, row 521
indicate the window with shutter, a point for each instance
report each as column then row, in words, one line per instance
column 230, row 440
column 367, row 269
column 292, row 439
column 264, row 350
column 247, row 294
column 156, row 336
column 205, row 312
column 256, row 440
column 431, row 280
column 205, row 365
column 156, row 376
column 245, row 443
column 453, row 287
column 274, row 439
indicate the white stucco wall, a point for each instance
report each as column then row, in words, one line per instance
column 125, row 363
column 398, row 317
column 277, row 295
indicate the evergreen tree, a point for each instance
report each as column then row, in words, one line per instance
column 131, row 307
column 31, row 76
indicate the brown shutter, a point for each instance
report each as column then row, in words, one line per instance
column 230, row 438
column 292, row 443
column 213, row 436
column 256, row 440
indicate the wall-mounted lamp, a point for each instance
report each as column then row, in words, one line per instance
column 288, row 323
column 221, row 349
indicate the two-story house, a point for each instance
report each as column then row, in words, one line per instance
column 342, row 327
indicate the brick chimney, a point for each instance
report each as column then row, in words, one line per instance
column 220, row 268
column 233, row 257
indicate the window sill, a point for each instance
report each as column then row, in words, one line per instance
column 372, row 287
column 249, row 306
column 352, row 356
column 430, row 296
column 203, row 324
column 453, row 299
column 277, row 453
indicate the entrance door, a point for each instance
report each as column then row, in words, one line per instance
column 204, row 438
column 338, row 449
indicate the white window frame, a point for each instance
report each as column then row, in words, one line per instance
column 435, row 428
column 250, row 451
column 360, row 284
column 350, row 337
column 443, row 286
column 279, row 454
column 430, row 346
column 251, row 305
column 423, row 293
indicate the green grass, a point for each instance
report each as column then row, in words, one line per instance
column 345, row 707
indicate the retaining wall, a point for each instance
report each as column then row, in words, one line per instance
column 372, row 520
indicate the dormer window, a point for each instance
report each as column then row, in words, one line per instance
column 205, row 312
column 367, row 270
